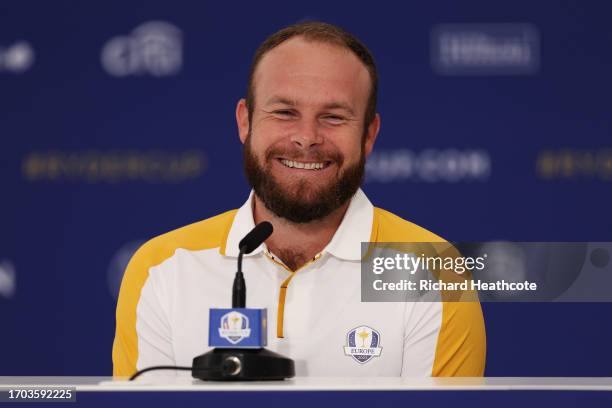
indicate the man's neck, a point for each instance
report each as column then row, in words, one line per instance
column 297, row 244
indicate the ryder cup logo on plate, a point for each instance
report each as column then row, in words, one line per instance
column 362, row 343
column 234, row 327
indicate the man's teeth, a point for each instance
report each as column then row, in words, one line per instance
column 306, row 166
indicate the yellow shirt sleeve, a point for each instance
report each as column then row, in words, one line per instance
column 461, row 347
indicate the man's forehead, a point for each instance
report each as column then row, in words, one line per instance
column 302, row 46
column 308, row 64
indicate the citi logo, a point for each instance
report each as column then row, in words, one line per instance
column 16, row 58
column 7, row 279
column 154, row 48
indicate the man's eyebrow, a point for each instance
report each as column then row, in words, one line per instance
column 329, row 106
column 340, row 105
column 280, row 100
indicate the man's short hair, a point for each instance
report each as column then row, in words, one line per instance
column 317, row 32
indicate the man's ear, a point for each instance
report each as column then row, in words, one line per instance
column 242, row 119
column 371, row 134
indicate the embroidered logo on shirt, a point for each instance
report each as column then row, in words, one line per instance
column 362, row 343
column 234, row 327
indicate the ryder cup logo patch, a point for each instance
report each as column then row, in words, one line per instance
column 234, row 327
column 362, row 343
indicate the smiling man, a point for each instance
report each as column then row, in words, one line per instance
column 307, row 125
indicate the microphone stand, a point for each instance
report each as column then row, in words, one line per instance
column 243, row 364
column 239, row 287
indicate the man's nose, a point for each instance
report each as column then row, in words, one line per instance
column 307, row 134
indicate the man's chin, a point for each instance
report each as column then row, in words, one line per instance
column 305, row 194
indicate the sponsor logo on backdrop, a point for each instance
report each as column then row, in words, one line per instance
column 234, row 327
column 8, row 279
column 485, row 49
column 16, row 58
column 154, row 48
column 115, row 166
column 362, row 344
column 117, row 265
column 429, row 166
column 575, row 164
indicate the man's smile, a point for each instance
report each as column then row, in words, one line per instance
column 304, row 165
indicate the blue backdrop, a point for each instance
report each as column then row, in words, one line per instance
column 117, row 124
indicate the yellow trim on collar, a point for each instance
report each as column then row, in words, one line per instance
column 283, row 290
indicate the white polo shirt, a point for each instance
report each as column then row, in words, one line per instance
column 315, row 314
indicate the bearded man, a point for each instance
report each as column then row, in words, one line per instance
column 307, row 125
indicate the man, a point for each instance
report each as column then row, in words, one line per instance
column 307, row 124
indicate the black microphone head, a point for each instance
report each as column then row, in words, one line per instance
column 253, row 239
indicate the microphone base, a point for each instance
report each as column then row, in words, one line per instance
column 228, row 364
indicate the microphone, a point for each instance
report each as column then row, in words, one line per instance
column 253, row 239
column 239, row 335
column 248, row 244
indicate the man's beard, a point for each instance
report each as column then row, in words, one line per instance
column 300, row 205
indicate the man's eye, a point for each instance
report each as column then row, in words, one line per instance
column 334, row 119
column 284, row 113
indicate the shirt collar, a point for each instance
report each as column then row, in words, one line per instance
column 243, row 223
column 355, row 228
